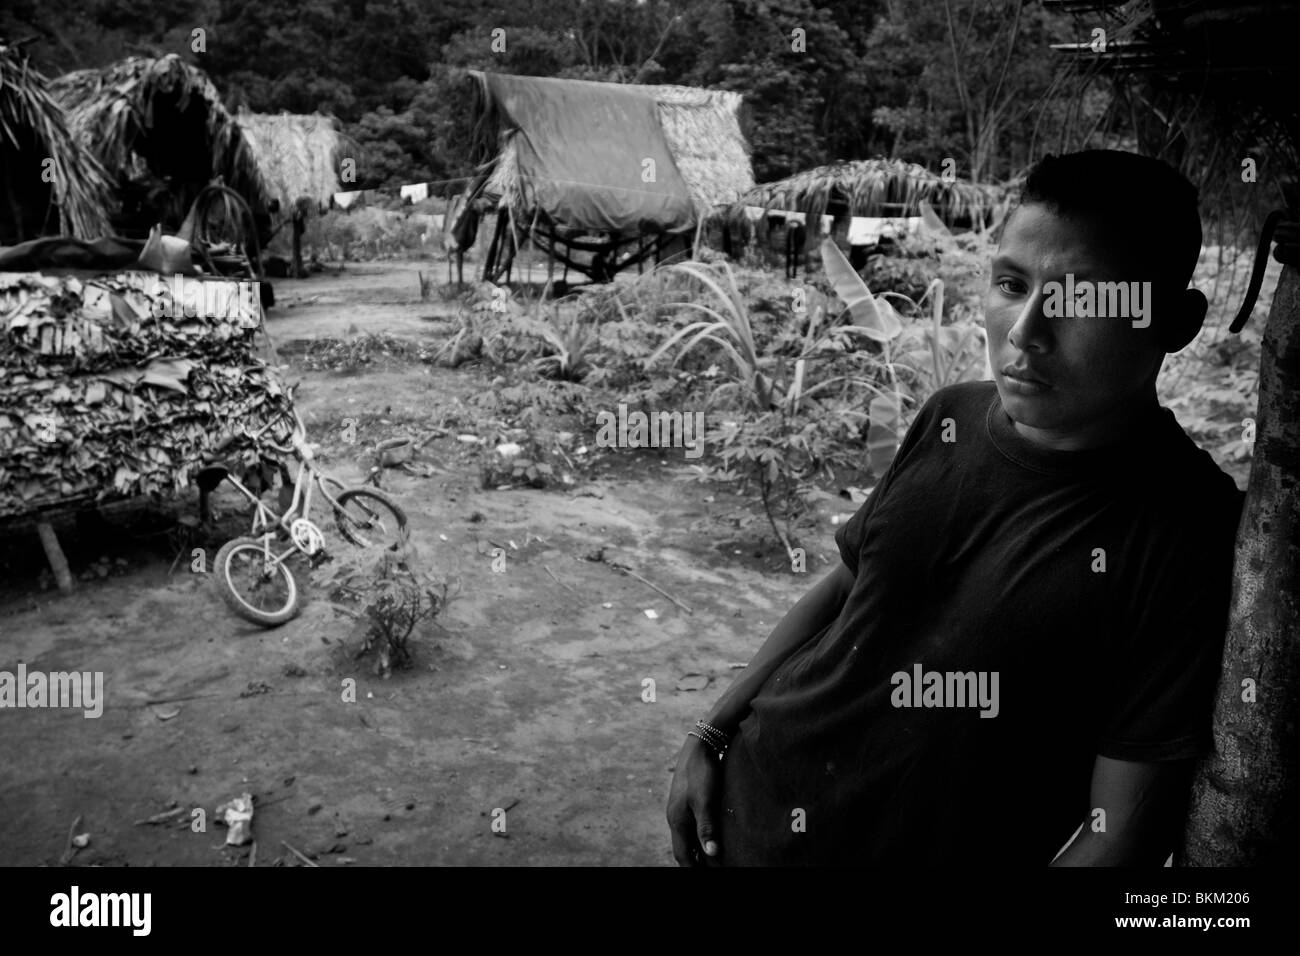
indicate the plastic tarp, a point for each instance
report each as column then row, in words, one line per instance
column 592, row 156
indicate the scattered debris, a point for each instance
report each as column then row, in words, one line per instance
column 693, row 682
column 652, row 614
column 254, row 688
column 81, row 841
column 166, row 713
column 238, row 816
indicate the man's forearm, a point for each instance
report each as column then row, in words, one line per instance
column 1106, row 849
column 819, row 607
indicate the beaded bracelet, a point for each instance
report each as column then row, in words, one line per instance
column 711, row 736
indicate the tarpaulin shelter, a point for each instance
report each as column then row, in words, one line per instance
column 597, row 168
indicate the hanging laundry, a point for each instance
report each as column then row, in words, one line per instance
column 754, row 213
column 346, row 200
column 416, row 192
column 866, row 230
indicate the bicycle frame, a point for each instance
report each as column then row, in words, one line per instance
column 265, row 520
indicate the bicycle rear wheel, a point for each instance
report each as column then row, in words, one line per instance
column 369, row 518
column 268, row 596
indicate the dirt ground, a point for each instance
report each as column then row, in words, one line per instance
column 525, row 696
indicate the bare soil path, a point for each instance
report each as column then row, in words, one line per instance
column 526, row 695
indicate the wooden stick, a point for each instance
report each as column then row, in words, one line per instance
column 70, row 851
column 631, row 573
column 558, row 581
column 54, row 554
column 166, row 817
column 299, row 855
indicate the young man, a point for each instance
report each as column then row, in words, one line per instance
column 1025, row 631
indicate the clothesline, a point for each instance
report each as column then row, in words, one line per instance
column 863, row 230
column 416, row 192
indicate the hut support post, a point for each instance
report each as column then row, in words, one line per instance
column 490, row 260
column 1243, row 796
column 54, row 554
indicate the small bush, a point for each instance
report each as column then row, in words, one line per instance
column 391, row 595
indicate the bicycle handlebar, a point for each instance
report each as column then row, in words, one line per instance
column 299, row 433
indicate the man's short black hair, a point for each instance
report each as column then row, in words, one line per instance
column 1124, row 191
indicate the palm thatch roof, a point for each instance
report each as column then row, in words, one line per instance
column 48, row 181
column 872, row 187
column 704, row 134
column 590, row 141
column 160, row 118
column 297, row 154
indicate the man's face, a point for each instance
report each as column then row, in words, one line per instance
column 1068, row 382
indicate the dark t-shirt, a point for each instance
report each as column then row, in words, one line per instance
column 1094, row 584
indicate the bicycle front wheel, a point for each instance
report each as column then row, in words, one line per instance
column 369, row 518
column 256, row 589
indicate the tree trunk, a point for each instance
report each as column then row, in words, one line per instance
column 1245, row 806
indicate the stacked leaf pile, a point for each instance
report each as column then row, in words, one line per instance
column 113, row 387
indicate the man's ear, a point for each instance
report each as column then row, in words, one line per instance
column 1185, row 320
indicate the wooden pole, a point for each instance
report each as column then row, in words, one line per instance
column 54, row 554
column 1245, row 805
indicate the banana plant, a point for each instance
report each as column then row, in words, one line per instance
column 877, row 317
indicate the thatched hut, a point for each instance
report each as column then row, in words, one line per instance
column 49, row 183
column 297, row 154
column 590, row 171
column 160, row 127
column 870, row 188
column 299, row 159
column 881, row 188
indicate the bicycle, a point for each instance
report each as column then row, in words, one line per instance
column 257, row 583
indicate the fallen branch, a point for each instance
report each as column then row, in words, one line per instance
column 299, row 855
column 165, row 817
column 558, row 581
column 628, row 571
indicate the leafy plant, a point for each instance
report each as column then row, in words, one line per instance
column 573, row 341
column 788, row 434
column 388, row 592
column 931, row 355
